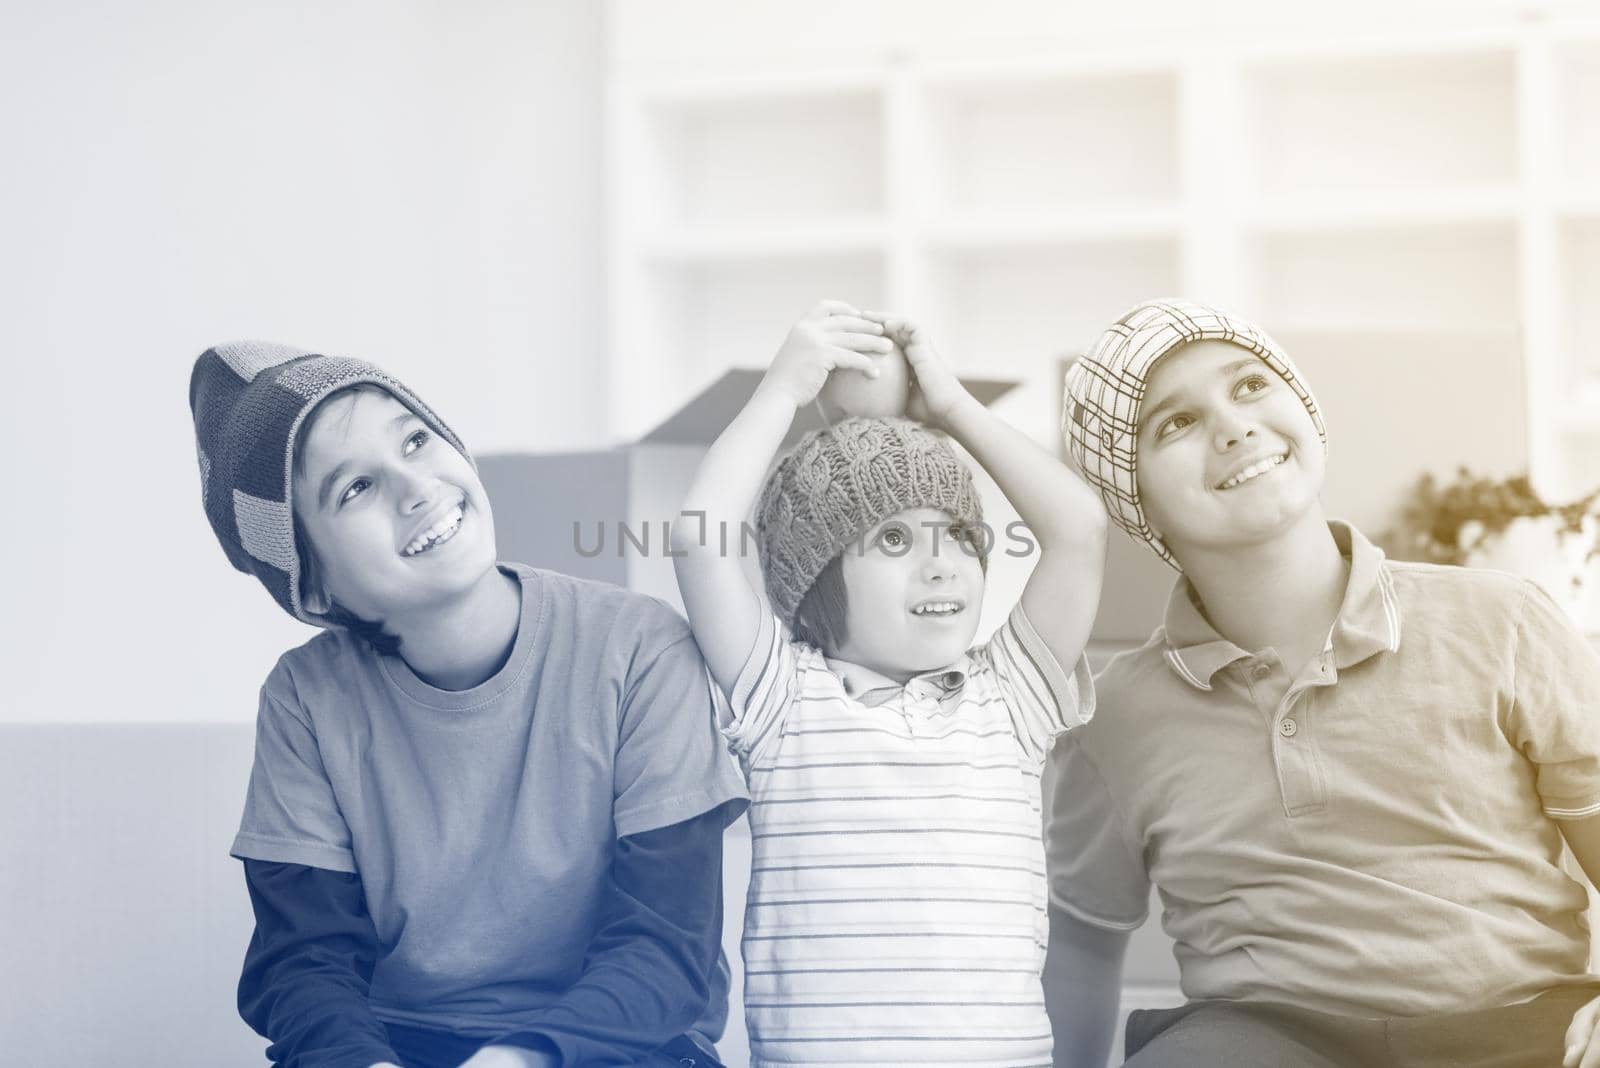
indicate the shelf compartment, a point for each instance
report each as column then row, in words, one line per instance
column 1018, row 312
column 1386, row 122
column 1577, row 203
column 1581, row 418
column 765, row 160
column 1579, row 242
column 1052, row 140
column 1401, row 402
column 704, row 318
column 1577, row 466
column 1020, row 309
column 1390, row 277
column 1577, row 78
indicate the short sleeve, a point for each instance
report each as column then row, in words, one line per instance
column 1043, row 700
column 291, row 815
column 1096, row 875
column 671, row 764
column 1554, row 718
column 768, row 684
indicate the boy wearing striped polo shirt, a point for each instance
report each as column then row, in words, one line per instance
column 896, row 911
column 1349, row 778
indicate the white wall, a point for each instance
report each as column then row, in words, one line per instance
column 413, row 182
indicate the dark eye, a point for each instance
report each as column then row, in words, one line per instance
column 354, row 490
column 416, row 441
column 970, row 538
column 893, row 536
column 1252, row 384
column 1172, row 424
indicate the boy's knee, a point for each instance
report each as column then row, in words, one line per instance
column 1236, row 1035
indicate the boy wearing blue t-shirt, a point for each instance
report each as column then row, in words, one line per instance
column 485, row 819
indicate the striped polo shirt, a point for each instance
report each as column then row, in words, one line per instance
column 897, row 903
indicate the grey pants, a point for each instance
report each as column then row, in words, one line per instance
column 1231, row 1034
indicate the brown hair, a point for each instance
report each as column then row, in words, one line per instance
column 370, row 631
column 823, row 614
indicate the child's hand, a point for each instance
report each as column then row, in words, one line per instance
column 937, row 390
column 832, row 335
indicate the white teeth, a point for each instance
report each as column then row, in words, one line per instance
column 438, row 534
column 941, row 608
column 1260, row 467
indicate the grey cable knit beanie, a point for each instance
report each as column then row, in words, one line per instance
column 841, row 481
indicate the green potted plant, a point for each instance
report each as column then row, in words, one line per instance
column 1477, row 521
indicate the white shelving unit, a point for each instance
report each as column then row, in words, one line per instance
column 1433, row 187
column 1416, row 217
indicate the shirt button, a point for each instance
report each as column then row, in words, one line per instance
column 1260, row 671
column 1288, row 728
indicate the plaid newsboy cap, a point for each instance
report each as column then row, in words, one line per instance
column 1105, row 389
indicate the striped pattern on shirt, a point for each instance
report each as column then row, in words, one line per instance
column 897, row 904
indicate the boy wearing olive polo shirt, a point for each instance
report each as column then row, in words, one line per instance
column 1349, row 778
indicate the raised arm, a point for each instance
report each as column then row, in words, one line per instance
column 1063, row 513
column 723, row 605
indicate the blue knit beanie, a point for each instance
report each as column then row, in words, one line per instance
column 249, row 399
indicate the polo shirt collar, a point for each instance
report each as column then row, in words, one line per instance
column 1369, row 619
column 872, row 688
column 1195, row 651
column 1368, row 622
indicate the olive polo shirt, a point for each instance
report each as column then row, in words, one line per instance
column 1373, row 836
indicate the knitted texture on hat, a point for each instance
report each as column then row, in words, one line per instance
column 249, row 399
column 1105, row 389
column 839, row 482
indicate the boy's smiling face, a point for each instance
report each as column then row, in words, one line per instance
column 914, row 594
column 1228, row 454
column 396, row 516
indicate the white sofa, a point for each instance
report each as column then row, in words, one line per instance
column 123, row 920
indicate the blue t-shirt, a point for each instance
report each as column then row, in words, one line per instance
column 482, row 821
